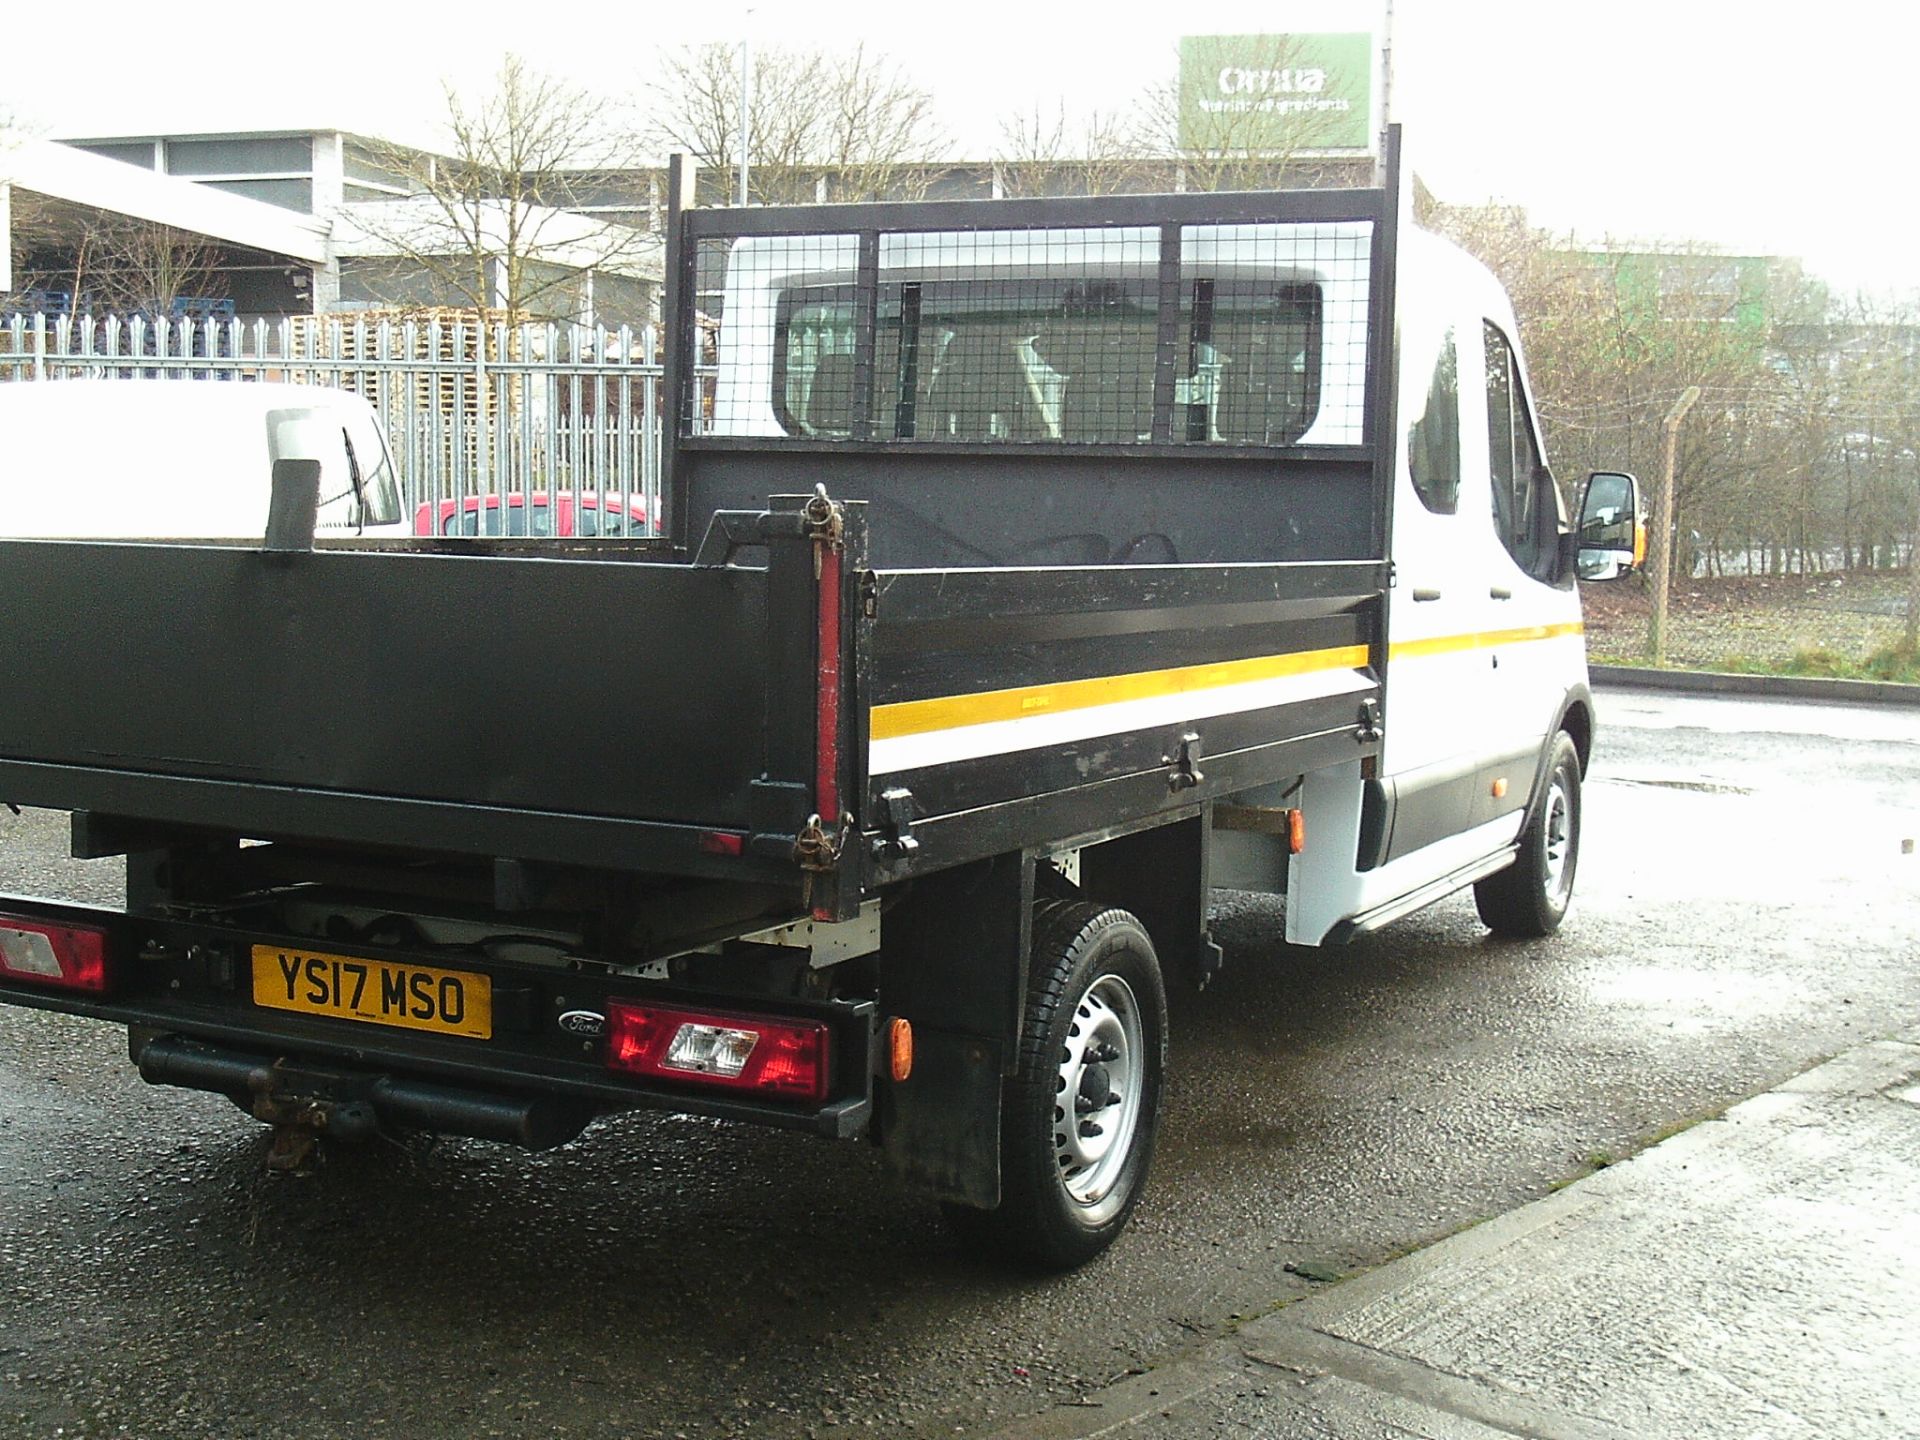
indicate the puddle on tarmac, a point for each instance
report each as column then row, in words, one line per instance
column 1698, row 787
column 1693, row 999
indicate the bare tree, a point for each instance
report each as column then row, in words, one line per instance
column 109, row 264
column 878, row 126
column 488, row 225
column 1043, row 154
column 821, row 125
column 1878, row 373
column 142, row 268
column 1171, row 138
column 1616, row 332
column 9, row 137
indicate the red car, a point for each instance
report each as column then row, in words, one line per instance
column 562, row 515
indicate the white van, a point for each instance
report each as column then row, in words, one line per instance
column 184, row 459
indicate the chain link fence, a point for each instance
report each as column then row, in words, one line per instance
column 1845, row 624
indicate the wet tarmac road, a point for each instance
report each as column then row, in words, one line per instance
column 1743, row 908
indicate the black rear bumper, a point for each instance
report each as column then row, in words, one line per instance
column 180, row 989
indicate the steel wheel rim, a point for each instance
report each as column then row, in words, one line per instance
column 1556, row 840
column 1093, row 1134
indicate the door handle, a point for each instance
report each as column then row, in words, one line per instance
column 1499, row 592
column 1425, row 593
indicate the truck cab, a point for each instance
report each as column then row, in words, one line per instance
column 1484, row 636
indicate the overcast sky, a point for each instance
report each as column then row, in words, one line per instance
column 1759, row 127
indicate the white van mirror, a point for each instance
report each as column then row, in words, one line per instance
column 293, row 441
column 291, row 511
column 1612, row 537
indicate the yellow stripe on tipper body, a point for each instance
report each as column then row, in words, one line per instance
column 952, row 712
column 1481, row 640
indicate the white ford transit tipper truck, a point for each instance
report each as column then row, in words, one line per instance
column 1031, row 569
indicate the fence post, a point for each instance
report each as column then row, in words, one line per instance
column 1913, row 576
column 482, row 422
column 1663, row 528
column 39, row 345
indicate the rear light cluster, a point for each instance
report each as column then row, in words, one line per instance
column 64, row 957
column 784, row 1058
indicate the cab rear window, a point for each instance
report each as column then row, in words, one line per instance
column 1069, row 359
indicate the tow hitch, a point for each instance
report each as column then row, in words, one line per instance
column 304, row 1102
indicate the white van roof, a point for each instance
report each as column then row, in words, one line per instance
column 142, row 459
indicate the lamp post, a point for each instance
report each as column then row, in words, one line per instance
column 746, row 98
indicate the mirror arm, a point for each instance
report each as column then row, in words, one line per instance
column 1569, row 552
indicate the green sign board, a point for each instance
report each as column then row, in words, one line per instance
column 1278, row 93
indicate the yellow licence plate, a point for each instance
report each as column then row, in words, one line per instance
column 378, row 992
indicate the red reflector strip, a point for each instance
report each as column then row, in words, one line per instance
column 65, row 957
column 722, row 842
column 784, row 1058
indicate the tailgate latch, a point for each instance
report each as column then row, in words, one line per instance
column 826, row 525
column 818, row 851
column 1369, row 730
column 816, row 847
column 1184, row 764
column 896, row 840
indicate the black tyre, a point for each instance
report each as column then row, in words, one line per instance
column 1079, row 1115
column 1530, row 897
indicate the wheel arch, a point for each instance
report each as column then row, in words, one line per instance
column 1576, row 718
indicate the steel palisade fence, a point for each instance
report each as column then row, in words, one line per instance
column 472, row 407
column 1838, row 623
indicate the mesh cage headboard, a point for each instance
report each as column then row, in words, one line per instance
column 1199, row 322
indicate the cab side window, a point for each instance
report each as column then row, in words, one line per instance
column 1433, row 441
column 1525, row 508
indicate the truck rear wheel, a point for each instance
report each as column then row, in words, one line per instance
column 1530, row 897
column 1079, row 1115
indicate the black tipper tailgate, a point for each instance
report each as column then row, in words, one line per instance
column 198, row 684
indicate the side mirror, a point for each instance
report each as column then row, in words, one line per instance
column 294, row 505
column 294, row 502
column 1611, row 538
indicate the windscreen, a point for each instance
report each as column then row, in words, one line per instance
column 478, row 516
column 375, row 500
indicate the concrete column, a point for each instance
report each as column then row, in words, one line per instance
column 329, row 173
column 329, row 194
column 326, row 287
